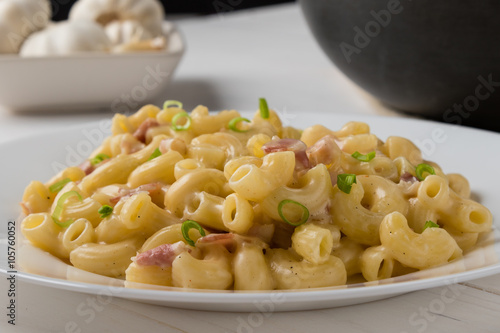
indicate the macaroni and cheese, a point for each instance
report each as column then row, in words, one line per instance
column 218, row 201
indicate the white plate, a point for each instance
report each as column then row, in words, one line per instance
column 119, row 82
column 457, row 149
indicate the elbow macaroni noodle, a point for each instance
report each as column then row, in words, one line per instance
column 271, row 210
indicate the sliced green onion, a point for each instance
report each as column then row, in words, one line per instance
column 171, row 103
column 430, row 224
column 155, row 154
column 176, row 118
column 56, row 187
column 234, row 122
column 59, row 208
column 423, row 167
column 186, row 226
column 264, row 109
column 105, row 211
column 98, row 159
column 305, row 212
column 363, row 158
column 345, row 181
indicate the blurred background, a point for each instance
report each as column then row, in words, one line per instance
column 429, row 62
column 61, row 7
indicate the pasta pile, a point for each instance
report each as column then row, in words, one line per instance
column 217, row 201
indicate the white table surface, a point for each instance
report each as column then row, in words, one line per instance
column 232, row 59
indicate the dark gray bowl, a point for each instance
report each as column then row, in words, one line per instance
column 439, row 59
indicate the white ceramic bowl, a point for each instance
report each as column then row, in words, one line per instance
column 120, row 82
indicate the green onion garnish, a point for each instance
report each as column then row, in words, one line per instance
column 363, row 158
column 105, row 211
column 155, row 154
column 234, row 122
column 305, row 212
column 59, row 208
column 184, row 127
column 264, row 109
column 190, row 224
column 98, row 159
column 56, row 187
column 345, row 181
column 421, row 168
column 171, row 103
column 430, row 224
